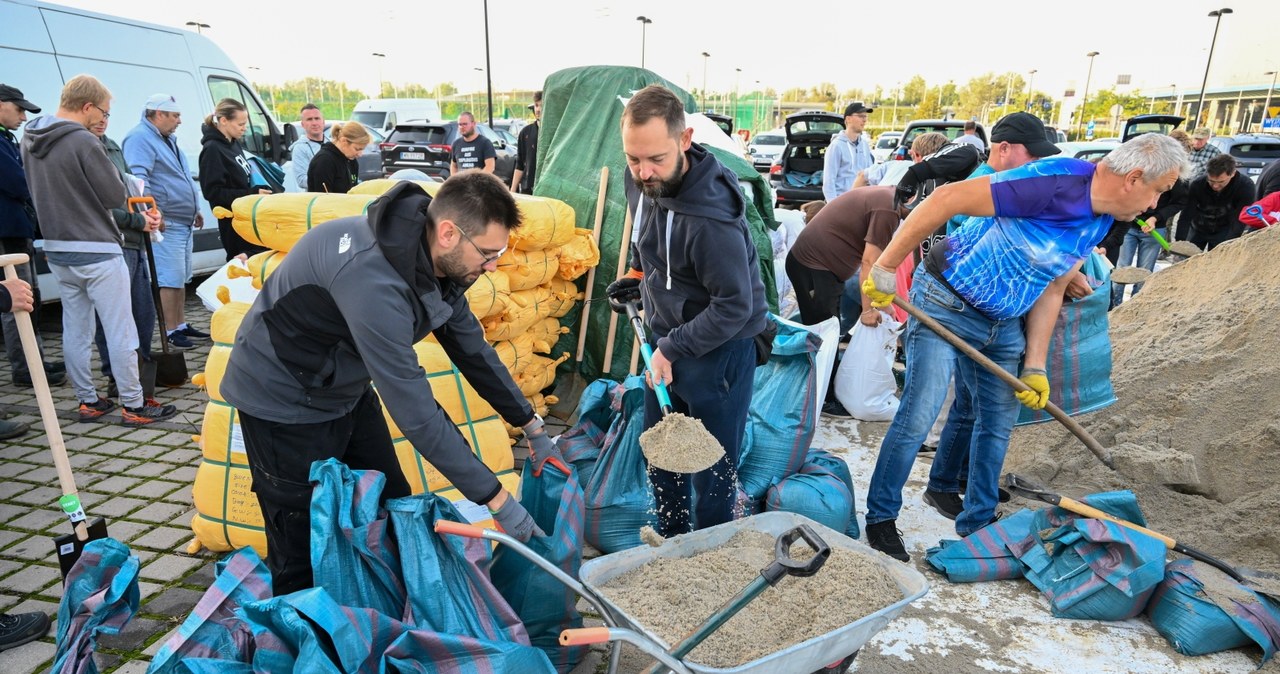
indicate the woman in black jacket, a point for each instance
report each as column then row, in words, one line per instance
column 334, row 169
column 224, row 171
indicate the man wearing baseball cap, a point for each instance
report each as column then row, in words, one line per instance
column 151, row 149
column 1201, row 152
column 18, row 232
column 848, row 153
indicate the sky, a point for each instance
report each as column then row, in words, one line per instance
column 848, row 43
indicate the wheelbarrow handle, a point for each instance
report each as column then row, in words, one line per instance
column 637, row 325
column 460, row 529
column 599, row 635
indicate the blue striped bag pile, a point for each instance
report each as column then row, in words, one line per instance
column 822, row 490
column 1200, row 610
column 983, row 555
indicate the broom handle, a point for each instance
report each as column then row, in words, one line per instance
column 613, row 315
column 591, row 275
column 70, row 500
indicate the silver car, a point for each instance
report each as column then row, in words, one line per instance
column 765, row 147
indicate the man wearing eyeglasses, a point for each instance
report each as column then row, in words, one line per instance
column 848, row 153
column 342, row 312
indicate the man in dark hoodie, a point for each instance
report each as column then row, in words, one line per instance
column 702, row 294
column 346, row 307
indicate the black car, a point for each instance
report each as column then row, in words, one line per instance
column 796, row 175
column 428, row 147
column 951, row 128
column 1253, row 151
column 1139, row 124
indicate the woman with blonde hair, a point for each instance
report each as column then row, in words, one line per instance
column 224, row 172
column 334, row 169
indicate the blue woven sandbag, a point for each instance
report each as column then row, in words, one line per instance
column 984, row 554
column 100, row 597
column 581, row 444
column 1093, row 569
column 1191, row 610
column 619, row 499
column 783, row 412
column 822, row 461
column 821, row 497
column 554, row 499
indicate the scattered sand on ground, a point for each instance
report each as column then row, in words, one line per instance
column 680, row 444
column 1195, row 368
column 674, row 596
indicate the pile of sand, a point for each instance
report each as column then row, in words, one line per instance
column 1195, row 369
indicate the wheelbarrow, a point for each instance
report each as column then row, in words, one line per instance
column 832, row 652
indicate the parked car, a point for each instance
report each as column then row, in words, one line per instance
column 796, row 175
column 386, row 113
column 765, row 147
column 1086, row 150
column 1139, row 124
column 428, row 146
column 1055, row 135
column 370, row 161
column 885, row 145
column 725, row 122
column 1253, row 151
column 951, row 128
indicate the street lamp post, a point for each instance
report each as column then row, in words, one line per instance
column 1266, row 107
column 644, row 23
column 271, row 91
column 488, row 67
column 737, row 77
column 705, row 57
column 197, row 25
column 1030, row 91
column 471, row 102
column 380, row 58
column 1084, row 100
column 1217, row 14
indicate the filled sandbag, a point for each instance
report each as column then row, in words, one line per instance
column 277, row 221
column 1202, row 610
column 223, row 327
column 379, row 186
column 529, row 269
column 262, row 264
column 579, row 255
column 546, row 331
column 544, row 223
column 538, row 374
column 489, row 295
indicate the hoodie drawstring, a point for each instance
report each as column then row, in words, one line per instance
column 635, row 233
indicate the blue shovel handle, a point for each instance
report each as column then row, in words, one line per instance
column 1256, row 211
column 659, row 388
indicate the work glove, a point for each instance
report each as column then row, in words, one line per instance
column 541, row 448
column 1038, row 396
column 516, row 522
column 622, row 292
column 880, row 286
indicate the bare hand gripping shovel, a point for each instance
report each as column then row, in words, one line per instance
column 68, row 546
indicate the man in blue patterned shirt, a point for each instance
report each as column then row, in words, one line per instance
column 997, row 282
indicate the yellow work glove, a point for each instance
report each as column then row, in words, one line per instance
column 1038, row 396
column 880, row 286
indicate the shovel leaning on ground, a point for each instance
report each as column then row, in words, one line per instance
column 170, row 366
column 68, row 546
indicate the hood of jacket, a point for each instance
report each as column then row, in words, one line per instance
column 211, row 133
column 46, row 132
column 398, row 219
column 709, row 190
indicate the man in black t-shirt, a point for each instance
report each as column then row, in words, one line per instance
column 527, row 151
column 471, row 151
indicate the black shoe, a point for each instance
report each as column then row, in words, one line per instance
column 179, row 340
column 23, row 379
column 833, row 409
column 150, row 412
column 20, row 628
column 55, row 368
column 926, row 449
column 885, row 537
column 1002, row 495
column 193, row 333
column 947, row 504
column 12, row 429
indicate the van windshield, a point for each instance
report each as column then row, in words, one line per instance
column 370, row 118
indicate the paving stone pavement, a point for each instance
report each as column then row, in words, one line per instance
column 139, row 480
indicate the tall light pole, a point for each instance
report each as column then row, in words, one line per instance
column 197, row 25
column 1217, row 15
column 488, row 67
column 737, row 77
column 271, row 90
column 1266, row 107
column 1084, row 100
column 644, row 23
column 755, row 106
column 471, row 99
column 705, row 57
column 1030, row 91
column 380, row 57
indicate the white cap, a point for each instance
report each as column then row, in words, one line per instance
column 163, row 103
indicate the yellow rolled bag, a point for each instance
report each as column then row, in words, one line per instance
column 547, row 332
column 578, row 256
column 379, row 186
column 259, row 266
column 277, row 221
column 514, row 353
column 515, row 321
column 489, row 295
column 527, row 269
column 227, row 513
column 538, row 374
column 223, row 328
column 544, row 223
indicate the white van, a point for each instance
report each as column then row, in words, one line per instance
column 386, row 113
column 42, row 45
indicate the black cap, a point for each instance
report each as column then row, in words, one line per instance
column 856, row 107
column 1024, row 129
column 10, row 94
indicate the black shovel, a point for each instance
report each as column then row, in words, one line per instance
column 67, row 546
column 169, row 368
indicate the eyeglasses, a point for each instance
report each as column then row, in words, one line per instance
column 105, row 114
column 487, row 258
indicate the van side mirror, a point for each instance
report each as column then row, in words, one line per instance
column 500, row 144
column 290, row 136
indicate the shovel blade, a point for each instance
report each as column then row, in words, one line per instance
column 69, row 547
column 171, row 369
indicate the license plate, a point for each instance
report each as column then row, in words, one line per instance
column 413, row 156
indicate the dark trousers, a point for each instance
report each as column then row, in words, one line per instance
column 280, row 458
column 818, row 294
column 26, row 272
column 716, row 390
column 144, row 309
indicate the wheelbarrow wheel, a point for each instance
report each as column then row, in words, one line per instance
column 839, row 667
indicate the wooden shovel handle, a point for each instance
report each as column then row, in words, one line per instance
column 623, row 248
column 591, row 275
column 48, row 414
column 1091, row 512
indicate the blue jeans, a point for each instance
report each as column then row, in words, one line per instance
column 951, row 461
column 142, row 304
column 715, row 389
column 1138, row 250
column 850, row 304
column 931, row 362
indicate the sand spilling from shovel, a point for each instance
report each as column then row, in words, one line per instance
column 673, row 597
column 1195, row 371
column 1129, row 275
column 680, row 444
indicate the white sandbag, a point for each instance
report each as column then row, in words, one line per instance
column 864, row 382
column 829, row 332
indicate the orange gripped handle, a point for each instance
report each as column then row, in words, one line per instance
column 584, row 636
column 459, row 529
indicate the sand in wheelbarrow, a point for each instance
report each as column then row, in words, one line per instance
column 673, row 596
column 680, row 444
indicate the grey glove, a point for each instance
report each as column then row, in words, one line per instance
column 516, row 522
column 542, row 448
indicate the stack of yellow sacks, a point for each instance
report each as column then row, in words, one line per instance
column 519, row 306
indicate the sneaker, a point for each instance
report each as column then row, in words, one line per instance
column 833, row 409
column 12, row 429
column 193, row 333
column 179, row 340
column 19, row 628
column 55, row 367
column 1002, row 495
column 23, row 379
column 927, row 450
column 947, row 504
column 150, row 411
column 885, row 537
column 94, row 411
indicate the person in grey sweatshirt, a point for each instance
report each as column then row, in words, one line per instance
column 75, row 186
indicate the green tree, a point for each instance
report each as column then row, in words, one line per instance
column 913, row 92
